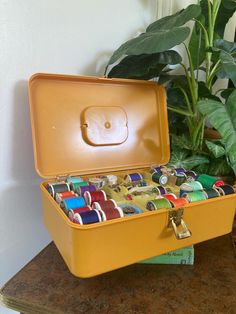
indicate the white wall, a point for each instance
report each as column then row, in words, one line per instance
column 66, row 36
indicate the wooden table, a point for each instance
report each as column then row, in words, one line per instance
column 45, row 286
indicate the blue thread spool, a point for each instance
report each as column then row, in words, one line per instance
column 130, row 209
column 134, row 177
column 179, row 171
column 73, row 202
column 74, row 180
column 89, row 217
column 161, row 189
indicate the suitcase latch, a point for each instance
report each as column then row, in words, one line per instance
column 177, row 223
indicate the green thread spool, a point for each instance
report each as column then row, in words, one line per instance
column 211, row 193
column 195, row 196
column 206, row 180
column 76, row 185
column 191, row 186
column 160, row 178
column 159, row 203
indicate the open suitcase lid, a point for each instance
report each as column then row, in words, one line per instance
column 84, row 125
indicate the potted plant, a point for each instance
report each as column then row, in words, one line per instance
column 191, row 95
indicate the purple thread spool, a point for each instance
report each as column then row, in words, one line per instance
column 82, row 189
column 133, row 177
column 179, row 171
column 161, row 189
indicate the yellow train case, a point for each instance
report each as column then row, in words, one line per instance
column 90, row 126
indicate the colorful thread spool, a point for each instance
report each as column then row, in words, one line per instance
column 82, row 189
column 61, row 196
column 180, row 180
column 95, row 196
column 179, row 171
column 195, row 196
column 170, row 197
column 130, row 209
column 73, row 202
column 89, row 217
column 133, row 177
column 158, row 204
column 71, row 212
column 225, row 189
column 76, row 185
column 159, row 178
column 206, row 180
column 97, row 182
column 112, row 180
column 219, row 183
column 179, row 202
column 211, row 193
column 161, row 189
column 104, row 204
column 57, row 187
column 191, row 175
column 191, row 186
column 111, row 213
column 74, row 180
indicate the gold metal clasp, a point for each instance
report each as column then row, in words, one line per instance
column 177, row 223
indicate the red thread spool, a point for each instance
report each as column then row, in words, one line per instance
column 72, row 212
column 61, row 196
column 219, row 183
column 95, row 196
column 111, row 213
column 104, row 204
column 179, row 202
column 170, row 197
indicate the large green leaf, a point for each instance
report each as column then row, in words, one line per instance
column 180, row 158
column 197, row 46
column 151, row 42
column 226, row 11
column 222, row 118
column 177, row 19
column 221, row 44
column 182, row 141
column 219, row 167
column 215, row 149
column 229, row 66
column 144, row 66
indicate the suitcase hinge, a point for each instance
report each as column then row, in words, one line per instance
column 176, row 222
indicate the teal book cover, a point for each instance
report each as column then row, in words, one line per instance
column 182, row 256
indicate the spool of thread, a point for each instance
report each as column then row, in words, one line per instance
column 180, row 179
column 76, row 185
column 89, row 217
column 191, row 175
column 170, row 197
column 57, row 187
column 211, row 193
column 112, row 180
column 82, row 189
column 191, row 186
column 61, row 196
column 179, row 202
column 97, row 182
column 71, row 212
column 73, row 202
column 133, row 177
column 195, row 196
column 102, row 205
column 95, row 196
column 179, row 171
column 219, row 183
column 225, row 189
column 158, row 204
column 161, row 189
column 206, row 180
column 111, row 213
column 74, row 180
column 160, row 178
column 130, row 209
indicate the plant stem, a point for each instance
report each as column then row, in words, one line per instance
column 186, row 99
column 180, row 111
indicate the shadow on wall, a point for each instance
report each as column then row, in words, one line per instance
column 97, row 67
column 22, row 151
